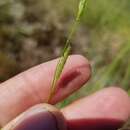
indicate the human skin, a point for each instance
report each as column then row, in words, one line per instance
column 32, row 87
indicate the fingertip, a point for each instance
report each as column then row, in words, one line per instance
column 39, row 117
column 74, row 78
column 108, row 103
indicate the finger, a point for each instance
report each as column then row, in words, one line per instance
column 105, row 109
column 31, row 119
column 39, row 117
column 33, row 86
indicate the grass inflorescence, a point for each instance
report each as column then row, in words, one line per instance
column 67, row 49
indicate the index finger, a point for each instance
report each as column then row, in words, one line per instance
column 33, row 86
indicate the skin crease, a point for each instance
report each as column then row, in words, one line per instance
column 108, row 104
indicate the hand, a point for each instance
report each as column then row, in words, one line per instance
column 104, row 110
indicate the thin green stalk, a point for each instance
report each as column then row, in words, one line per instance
column 108, row 74
column 66, row 50
column 125, row 82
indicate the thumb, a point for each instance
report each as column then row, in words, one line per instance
column 39, row 117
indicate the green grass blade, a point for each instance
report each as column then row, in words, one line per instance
column 125, row 83
column 109, row 73
column 66, row 50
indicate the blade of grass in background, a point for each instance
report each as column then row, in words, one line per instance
column 125, row 82
column 108, row 75
column 66, row 50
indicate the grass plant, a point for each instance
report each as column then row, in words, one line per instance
column 67, row 49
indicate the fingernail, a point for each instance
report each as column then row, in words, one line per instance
column 43, row 117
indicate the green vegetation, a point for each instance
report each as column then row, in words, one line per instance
column 67, row 48
column 30, row 28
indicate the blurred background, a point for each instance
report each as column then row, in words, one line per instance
column 34, row 31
